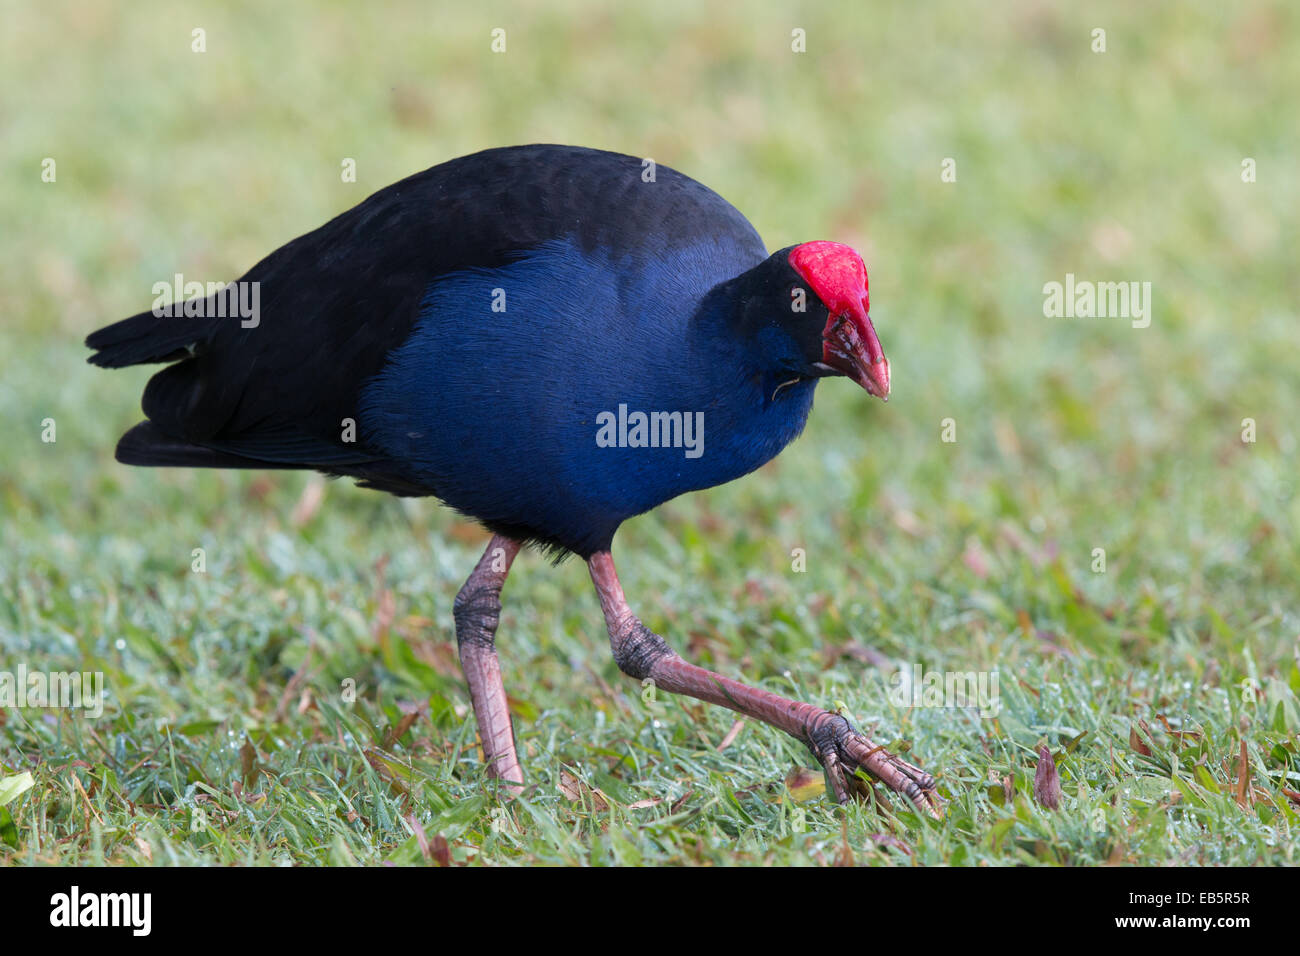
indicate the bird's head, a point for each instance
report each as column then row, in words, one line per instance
column 808, row 307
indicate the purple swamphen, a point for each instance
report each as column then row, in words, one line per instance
column 549, row 339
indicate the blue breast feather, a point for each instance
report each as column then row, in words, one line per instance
column 499, row 411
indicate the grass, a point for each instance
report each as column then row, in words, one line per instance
column 226, row 737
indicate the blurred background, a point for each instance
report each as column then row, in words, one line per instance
column 1072, row 434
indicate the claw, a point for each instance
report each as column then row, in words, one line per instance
column 831, row 761
column 842, row 750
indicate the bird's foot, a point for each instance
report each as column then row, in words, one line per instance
column 843, row 750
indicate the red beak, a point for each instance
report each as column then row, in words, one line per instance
column 850, row 346
column 838, row 276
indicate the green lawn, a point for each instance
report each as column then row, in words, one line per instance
column 226, row 737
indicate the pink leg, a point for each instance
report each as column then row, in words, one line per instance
column 641, row 653
column 477, row 611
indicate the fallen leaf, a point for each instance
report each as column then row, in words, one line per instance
column 1179, row 734
column 1047, row 782
column 1243, row 779
column 805, row 784
column 392, row 770
column 398, row 732
column 1136, row 743
column 576, row 791
column 441, row 851
column 248, row 764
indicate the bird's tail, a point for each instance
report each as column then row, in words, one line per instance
column 147, row 444
column 148, row 338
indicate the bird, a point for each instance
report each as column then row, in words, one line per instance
column 549, row 340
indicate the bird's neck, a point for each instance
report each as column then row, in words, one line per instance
column 756, row 406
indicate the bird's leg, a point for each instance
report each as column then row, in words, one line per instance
column 477, row 611
column 641, row 653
